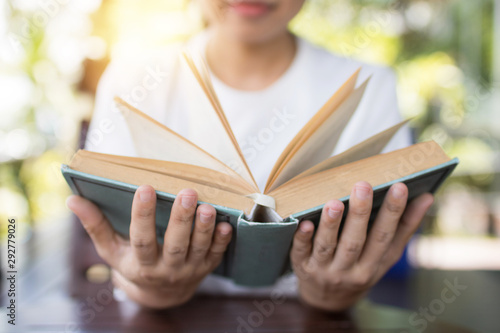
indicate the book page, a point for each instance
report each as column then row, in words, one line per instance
column 326, row 110
column 154, row 140
column 162, row 182
column 184, row 171
column 315, row 190
column 369, row 147
column 319, row 140
column 212, row 125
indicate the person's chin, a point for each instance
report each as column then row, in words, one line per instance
column 250, row 36
column 249, row 32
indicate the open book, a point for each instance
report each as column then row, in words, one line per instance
column 303, row 179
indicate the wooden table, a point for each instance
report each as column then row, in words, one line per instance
column 45, row 305
column 101, row 314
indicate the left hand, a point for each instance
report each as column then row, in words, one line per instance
column 335, row 273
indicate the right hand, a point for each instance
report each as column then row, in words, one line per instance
column 153, row 275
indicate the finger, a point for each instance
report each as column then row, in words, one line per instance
column 384, row 226
column 408, row 225
column 137, row 294
column 326, row 237
column 97, row 226
column 179, row 228
column 353, row 234
column 131, row 289
column 302, row 245
column 201, row 238
column 222, row 237
column 142, row 226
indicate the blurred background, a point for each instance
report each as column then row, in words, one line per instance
column 446, row 54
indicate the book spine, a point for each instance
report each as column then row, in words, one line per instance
column 261, row 251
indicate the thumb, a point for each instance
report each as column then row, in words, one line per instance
column 96, row 225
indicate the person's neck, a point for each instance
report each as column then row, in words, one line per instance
column 250, row 66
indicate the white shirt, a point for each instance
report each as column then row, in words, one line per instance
column 263, row 121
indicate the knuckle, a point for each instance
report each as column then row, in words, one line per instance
column 394, row 207
column 331, row 225
column 301, row 249
column 299, row 271
column 142, row 244
column 361, row 210
column 198, row 250
column 183, row 219
column 297, row 255
column 176, row 250
column 145, row 212
column 204, row 229
column 310, row 266
column 323, row 250
column 382, row 236
column 146, row 275
column 353, row 247
column 335, row 281
column 94, row 230
column 295, row 258
column 178, row 216
column 305, row 270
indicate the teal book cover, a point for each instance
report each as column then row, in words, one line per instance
column 258, row 252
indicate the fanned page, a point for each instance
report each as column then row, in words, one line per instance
column 212, row 124
column 316, row 189
column 160, row 182
column 154, row 140
column 184, row 171
column 369, row 147
column 318, row 138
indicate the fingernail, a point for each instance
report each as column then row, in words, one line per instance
column 69, row 201
column 303, row 229
column 333, row 213
column 205, row 218
column 397, row 192
column 362, row 192
column 146, row 195
column 187, row 201
column 224, row 231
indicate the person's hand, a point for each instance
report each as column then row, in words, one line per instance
column 153, row 275
column 334, row 273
